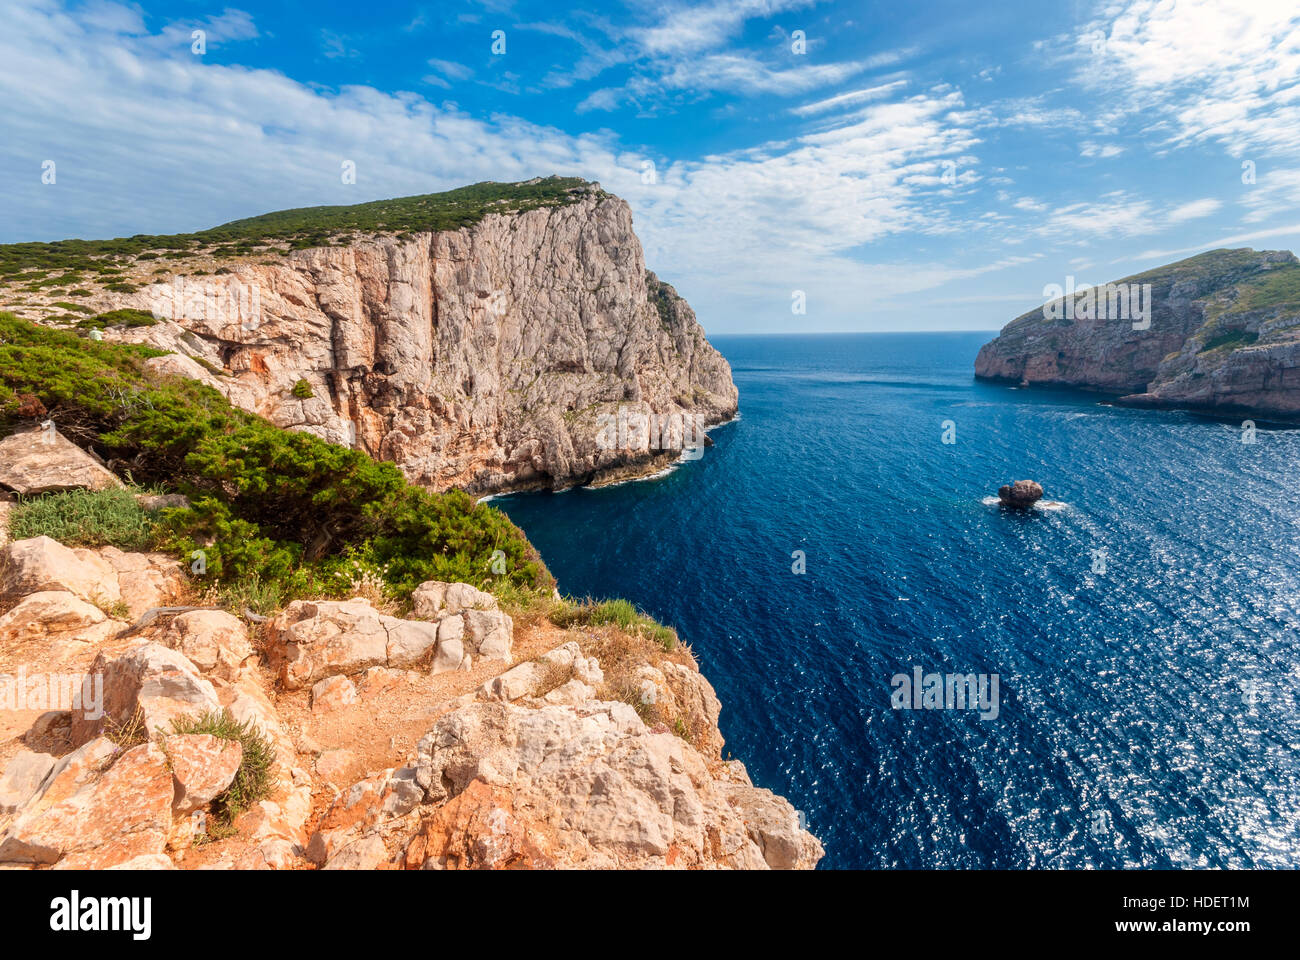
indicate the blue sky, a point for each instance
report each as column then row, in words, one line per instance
column 918, row 166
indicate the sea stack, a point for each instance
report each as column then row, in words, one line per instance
column 1021, row 495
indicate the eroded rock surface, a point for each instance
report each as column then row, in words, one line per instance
column 548, row 762
column 1224, row 334
column 478, row 358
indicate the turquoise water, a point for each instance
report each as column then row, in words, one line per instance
column 1147, row 711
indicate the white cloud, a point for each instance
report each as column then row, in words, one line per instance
column 1223, row 71
column 155, row 140
column 1235, row 240
column 849, row 98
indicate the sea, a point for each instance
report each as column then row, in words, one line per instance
column 839, row 565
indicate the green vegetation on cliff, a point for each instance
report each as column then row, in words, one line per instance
column 300, row 228
column 283, row 509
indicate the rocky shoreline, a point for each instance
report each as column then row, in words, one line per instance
column 1222, row 336
column 153, row 721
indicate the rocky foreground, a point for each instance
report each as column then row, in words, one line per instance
column 450, row 738
column 1223, row 335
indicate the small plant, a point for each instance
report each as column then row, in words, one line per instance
column 85, row 518
column 117, row 609
column 619, row 613
column 249, row 594
column 126, row 733
column 302, row 390
column 253, row 779
column 75, row 307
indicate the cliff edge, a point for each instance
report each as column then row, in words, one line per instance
column 475, row 338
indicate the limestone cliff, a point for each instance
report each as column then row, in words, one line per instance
column 1224, row 334
column 479, row 357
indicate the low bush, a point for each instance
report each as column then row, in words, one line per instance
column 253, row 778
column 126, row 317
column 287, row 508
column 85, row 518
column 619, row 613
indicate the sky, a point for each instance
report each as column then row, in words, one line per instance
column 917, row 166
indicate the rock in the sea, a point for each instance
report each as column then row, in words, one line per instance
column 1021, row 494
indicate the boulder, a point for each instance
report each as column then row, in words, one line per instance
column 204, row 767
column 1020, row 495
column 478, row 830
column 332, row 694
column 214, row 641
column 601, row 787
column 145, row 580
column 488, row 633
column 60, row 623
column 44, row 461
column 314, row 639
column 774, row 825
column 434, row 599
column 41, row 564
column 451, row 644
column 22, row 778
column 410, row 642
column 108, row 818
column 162, row 684
column 364, row 854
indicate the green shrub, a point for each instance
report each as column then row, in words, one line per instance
column 619, row 613
column 302, row 390
column 85, row 518
column 126, row 317
column 287, row 508
column 253, row 778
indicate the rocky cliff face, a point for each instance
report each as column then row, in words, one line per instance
column 1224, row 334
column 479, row 358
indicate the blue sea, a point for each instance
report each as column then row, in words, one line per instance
column 1144, row 634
